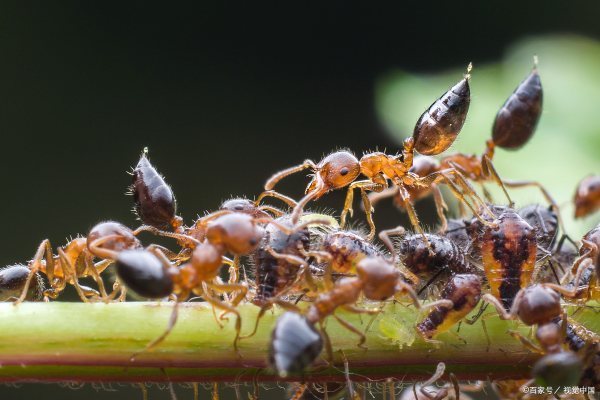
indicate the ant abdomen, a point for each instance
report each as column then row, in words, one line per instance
column 295, row 344
column 155, row 202
column 144, row 273
column 440, row 124
column 587, row 196
column 112, row 237
column 509, row 250
column 12, row 282
column 424, row 261
column 464, row 290
column 518, row 117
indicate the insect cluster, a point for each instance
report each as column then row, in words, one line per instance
column 516, row 258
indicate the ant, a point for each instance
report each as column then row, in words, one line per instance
column 377, row 279
column 561, row 370
column 225, row 232
column 513, row 126
column 76, row 260
column 434, row 132
column 538, row 304
column 587, row 196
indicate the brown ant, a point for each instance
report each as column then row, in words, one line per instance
column 225, row 232
column 513, row 126
column 377, row 279
column 587, row 196
column 435, row 131
column 76, row 260
column 538, row 304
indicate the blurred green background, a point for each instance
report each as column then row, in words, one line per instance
column 226, row 93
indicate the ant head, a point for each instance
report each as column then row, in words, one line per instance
column 111, row 236
column 142, row 272
column 337, row 170
column 207, row 260
column 380, row 278
column 238, row 233
column 244, row 206
column 539, row 305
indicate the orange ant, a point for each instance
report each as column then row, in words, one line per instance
column 435, row 131
column 587, row 196
column 513, row 126
column 76, row 260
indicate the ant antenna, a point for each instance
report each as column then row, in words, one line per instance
column 468, row 73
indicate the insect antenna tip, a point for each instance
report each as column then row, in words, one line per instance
column 468, row 73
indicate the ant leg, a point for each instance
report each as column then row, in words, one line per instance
column 273, row 180
column 384, row 236
column 526, row 342
column 489, row 171
column 590, row 248
column 368, row 213
column 162, row 337
column 438, row 303
column 474, row 319
column 470, row 191
column 349, row 385
column 545, row 193
column 313, row 194
column 276, row 195
column 44, row 249
column 357, row 310
column 412, row 214
column 486, row 193
column 91, row 267
column 179, row 236
column 286, row 305
column 443, row 392
column 365, row 184
column 587, row 263
column 170, row 254
column 376, row 197
column 502, row 313
column 352, row 328
column 215, row 302
column 440, row 207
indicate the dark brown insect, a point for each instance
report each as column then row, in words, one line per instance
column 509, row 252
column 587, row 196
column 464, row 291
column 155, row 203
column 12, row 280
column 559, row 370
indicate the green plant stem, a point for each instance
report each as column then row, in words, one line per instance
column 94, row 342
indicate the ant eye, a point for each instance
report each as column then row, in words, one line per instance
column 344, row 171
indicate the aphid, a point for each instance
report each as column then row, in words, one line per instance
column 587, row 196
column 345, row 249
column 538, row 304
column 12, row 280
column 509, row 254
column 464, row 291
column 442, row 255
column 434, row 133
column 295, row 344
column 155, row 203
